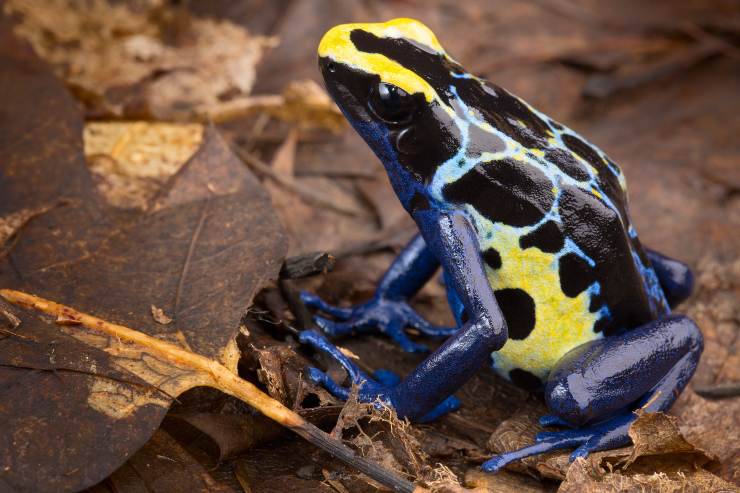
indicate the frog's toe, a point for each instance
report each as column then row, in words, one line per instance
column 332, row 328
column 435, row 330
column 416, row 321
column 552, row 420
column 395, row 331
column 496, row 463
column 320, row 378
column 313, row 301
column 321, row 343
column 546, row 441
column 448, row 405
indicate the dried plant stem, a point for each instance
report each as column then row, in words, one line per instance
column 291, row 184
column 223, row 379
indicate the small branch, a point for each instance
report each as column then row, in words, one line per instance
column 221, row 378
column 238, row 108
column 722, row 390
column 308, row 264
column 337, row 173
column 294, row 186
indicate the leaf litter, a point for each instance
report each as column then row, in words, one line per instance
column 668, row 456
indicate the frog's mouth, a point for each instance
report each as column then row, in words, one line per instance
column 347, row 87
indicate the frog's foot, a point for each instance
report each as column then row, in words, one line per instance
column 609, row 434
column 391, row 379
column 386, row 316
column 378, row 389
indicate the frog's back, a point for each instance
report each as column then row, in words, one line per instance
column 551, row 213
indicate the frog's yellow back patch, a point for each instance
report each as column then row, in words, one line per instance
column 559, row 322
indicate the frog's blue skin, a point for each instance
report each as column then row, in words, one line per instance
column 489, row 182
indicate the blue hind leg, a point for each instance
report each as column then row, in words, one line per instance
column 593, row 385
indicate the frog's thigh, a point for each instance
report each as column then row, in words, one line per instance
column 600, row 378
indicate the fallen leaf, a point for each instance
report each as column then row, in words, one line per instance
column 585, row 477
column 161, row 466
column 204, row 248
column 128, row 61
column 131, row 160
column 655, row 434
column 661, row 459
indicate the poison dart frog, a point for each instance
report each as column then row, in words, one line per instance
column 543, row 269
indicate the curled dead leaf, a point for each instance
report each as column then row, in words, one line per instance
column 231, row 434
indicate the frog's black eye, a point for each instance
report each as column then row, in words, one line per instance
column 391, row 103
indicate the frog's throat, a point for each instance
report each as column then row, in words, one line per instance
column 338, row 46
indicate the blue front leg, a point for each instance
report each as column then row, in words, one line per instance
column 424, row 394
column 388, row 312
column 596, row 387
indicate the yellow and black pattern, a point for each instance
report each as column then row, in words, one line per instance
column 550, row 209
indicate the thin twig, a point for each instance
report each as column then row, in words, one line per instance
column 223, row 379
column 308, row 264
column 722, row 390
column 294, row 186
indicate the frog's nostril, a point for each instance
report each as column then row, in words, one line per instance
column 331, row 67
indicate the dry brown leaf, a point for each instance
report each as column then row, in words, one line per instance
column 131, row 160
column 117, row 56
column 660, row 460
column 231, row 434
column 584, row 476
column 164, row 466
column 658, row 434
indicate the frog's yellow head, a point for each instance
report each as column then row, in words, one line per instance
column 360, row 46
column 393, row 81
